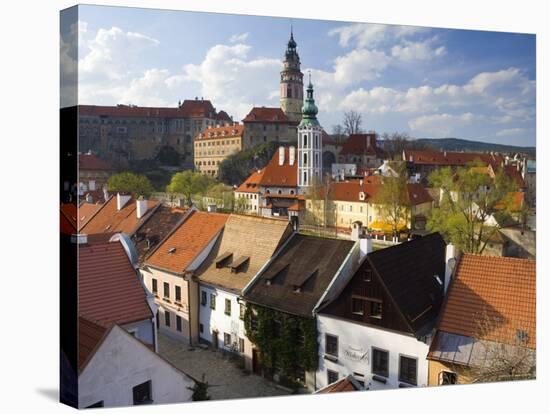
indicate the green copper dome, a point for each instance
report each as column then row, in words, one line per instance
column 309, row 110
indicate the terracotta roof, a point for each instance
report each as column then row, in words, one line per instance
column 243, row 236
column 98, row 196
column 188, row 240
column 157, row 226
column 189, row 109
column 90, row 336
column 109, row 289
column 358, row 144
column 449, row 158
column 514, row 201
column 512, row 172
column 252, row 183
column 285, row 175
column 229, row 131
column 85, row 212
column 503, row 288
column 342, row 385
column 350, row 191
column 110, row 220
column 92, row 162
column 263, row 114
column 307, row 262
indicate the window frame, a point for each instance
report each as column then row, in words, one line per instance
column 177, row 293
column 227, row 307
column 149, row 400
column 212, row 301
column 204, row 298
column 154, row 286
column 178, row 323
column 327, row 352
column 385, row 373
column 399, row 371
column 166, row 290
column 371, row 303
column 167, row 321
column 334, row 373
column 362, row 301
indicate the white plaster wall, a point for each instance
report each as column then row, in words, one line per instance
column 361, row 339
column 143, row 330
column 217, row 319
column 122, row 362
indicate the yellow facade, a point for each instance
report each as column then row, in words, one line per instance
column 436, row 371
column 215, row 146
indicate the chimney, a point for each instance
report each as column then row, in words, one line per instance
column 79, row 238
column 356, row 230
column 91, row 185
column 450, row 262
column 89, row 198
column 291, row 155
column 211, row 208
column 365, row 247
column 141, row 207
column 105, row 193
column 121, row 200
column 294, row 220
column 281, row 155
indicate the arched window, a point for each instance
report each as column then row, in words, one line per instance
column 289, row 91
column 305, row 140
column 305, row 159
column 305, row 178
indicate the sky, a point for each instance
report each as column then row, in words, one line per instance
column 427, row 82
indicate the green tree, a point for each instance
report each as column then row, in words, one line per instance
column 469, row 197
column 391, row 199
column 189, row 183
column 200, row 390
column 222, row 194
column 127, row 182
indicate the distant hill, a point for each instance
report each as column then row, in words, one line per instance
column 457, row 144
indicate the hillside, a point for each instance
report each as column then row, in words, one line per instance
column 457, row 144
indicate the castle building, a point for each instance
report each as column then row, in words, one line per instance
column 310, row 159
column 292, row 85
column 214, row 145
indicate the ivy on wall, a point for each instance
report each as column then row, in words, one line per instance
column 287, row 343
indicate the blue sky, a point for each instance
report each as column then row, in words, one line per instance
column 423, row 81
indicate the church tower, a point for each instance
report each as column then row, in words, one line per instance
column 310, row 146
column 292, row 84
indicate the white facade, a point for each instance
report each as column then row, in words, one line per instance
column 227, row 325
column 355, row 350
column 310, row 155
column 119, row 364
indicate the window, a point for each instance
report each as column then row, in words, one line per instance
column 357, row 306
column 178, row 323
column 331, row 345
column 227, row 309
column 305, row 159
column 166, row 290
column 203, row 298
column 367, row 276
column 242, row 309
column 447, row 378
column 155, row 287
column 380, row 360
column 241, row 345
column 332, row 376
column 142, row 393
column 212, row 301
column 227, row 339
column 178, row 293
column 167, row 318
column 305, row 140
column 375, row 309
column 407, row 370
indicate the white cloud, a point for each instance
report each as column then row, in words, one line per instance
column 365, row 35
column 510, row 132
column 409, row 51
column 239, row 37
column 440, row 125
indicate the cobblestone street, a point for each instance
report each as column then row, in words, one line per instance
column 224, row 376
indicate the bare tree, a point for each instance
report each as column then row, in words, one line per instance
column 352, row 122
column 503, row 361
column 395, row 143
column 338, row 132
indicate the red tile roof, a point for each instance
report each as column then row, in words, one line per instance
column 449, row 158
column 85, row 212
column 110, row 220
column 188, row 109
column 263, row 114
column 350, row 191
column 342, row 385
column 90, row 336
column 358, row 144
column 92, row 162
column 188, row 240
column 221, row 132
column 223, row 116
column 285, row 175
column 109, row 289
column 503, row 288
column 252, row 183
column 512, row 172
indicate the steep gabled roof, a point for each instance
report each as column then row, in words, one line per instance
column 92, row 162
column 109, row 290
column 285, row 175
column 85, row 212
column 256, row 238
column 298, row 276
column 192, row 236
column 111, row 220
column 345, row 384
column 157, row 226
column 264, row 114
column 407, row 271
column 361, row 144
column 502, row 288
column 252, row 183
